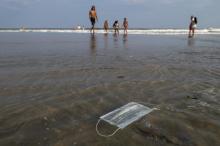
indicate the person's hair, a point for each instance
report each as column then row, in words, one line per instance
column 93, row 7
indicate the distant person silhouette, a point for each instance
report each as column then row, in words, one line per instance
column 106, row 26
column 192, row 26
column 116, row 27
column 125, row 25
column 93, row 18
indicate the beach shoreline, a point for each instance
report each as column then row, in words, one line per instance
column 147, row 31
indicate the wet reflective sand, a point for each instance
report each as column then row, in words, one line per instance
column 55, row 86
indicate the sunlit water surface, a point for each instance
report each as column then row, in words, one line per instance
column 55, row 86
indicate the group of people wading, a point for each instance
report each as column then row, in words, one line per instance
column 93, row 18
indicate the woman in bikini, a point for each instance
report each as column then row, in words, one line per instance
column 192, row 26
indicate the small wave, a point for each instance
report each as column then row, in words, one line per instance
column 131, row 31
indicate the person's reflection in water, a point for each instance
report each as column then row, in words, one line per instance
column 115, row 38
column 125, row 39
column 106, row 40
column 93, row 44
column 191, row 42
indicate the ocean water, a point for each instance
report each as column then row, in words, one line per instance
column 55, row 86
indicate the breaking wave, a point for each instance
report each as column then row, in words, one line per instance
column 131, row 31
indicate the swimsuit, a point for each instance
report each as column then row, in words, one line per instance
column 194, row 26
column 92, row 19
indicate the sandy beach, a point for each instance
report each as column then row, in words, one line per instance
column 55, row 86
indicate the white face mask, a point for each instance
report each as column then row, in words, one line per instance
column 126, row 114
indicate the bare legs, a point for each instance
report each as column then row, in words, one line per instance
column 92, row 30
column 117, row 31
column 191, row 32
column 125, row 31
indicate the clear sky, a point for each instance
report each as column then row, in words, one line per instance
column 140, row 13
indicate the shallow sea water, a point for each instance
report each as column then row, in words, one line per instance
column 55, row 86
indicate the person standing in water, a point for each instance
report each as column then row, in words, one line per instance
column 116, row 27
column 106, row 26
column 192, row 26
column 125, row 25
column 93, row 18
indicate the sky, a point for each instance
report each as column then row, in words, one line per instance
column 140, row 13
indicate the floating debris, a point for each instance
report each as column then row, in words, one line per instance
column 124, row 116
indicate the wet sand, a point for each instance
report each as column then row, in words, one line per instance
column 55, row 86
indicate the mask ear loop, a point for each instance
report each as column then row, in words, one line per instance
column 110, row 135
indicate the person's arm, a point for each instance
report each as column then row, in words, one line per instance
column 96, row 16
column 89, row 14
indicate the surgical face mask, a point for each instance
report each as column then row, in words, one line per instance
column 124, row 116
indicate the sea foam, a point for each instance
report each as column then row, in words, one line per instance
column 131, row 31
